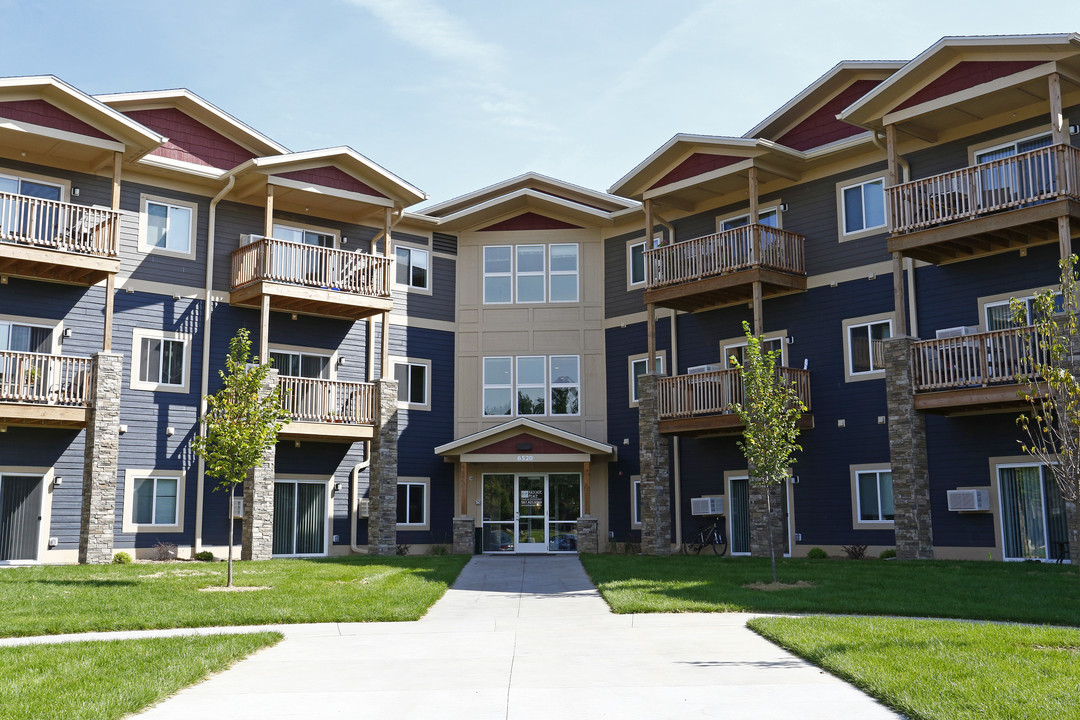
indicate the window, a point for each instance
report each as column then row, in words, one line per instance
column 412, row 379
column 1013, row 148
column 23, row 337
column 738, row 350
column 153, row 501
column 863, row 206
column 874, row 495
column 304, row 236
column 412, row 503
column 864, row 347
column 24, row 218
column 412, row 267
column 530, row 273
column 770, row 217
column 635, row 262
column 301, row 517
column 635, row 502
column 301, row 364
column 1033, row 520
column 168, row 227
column 638, row 367
column 541, row 385
column 159, row 360
column 999, row 314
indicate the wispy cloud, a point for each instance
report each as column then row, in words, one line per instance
column 481, row 66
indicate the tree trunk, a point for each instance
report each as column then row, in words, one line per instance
column 232, row 494
column 769, row 527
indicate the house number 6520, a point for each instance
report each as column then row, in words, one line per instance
column 525, row 458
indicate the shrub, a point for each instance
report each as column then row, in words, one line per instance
column 855, row 552
column 403, row 548
column 205, row 556
column 121, row 558
column 439, row 549
column 817, row 553
column 164, row 550
column 887, row 554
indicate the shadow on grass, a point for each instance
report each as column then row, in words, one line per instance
column 87, row 582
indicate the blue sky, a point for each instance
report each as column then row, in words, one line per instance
column 453, row 95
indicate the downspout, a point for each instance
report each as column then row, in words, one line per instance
column 676, row 445
column 354, row 500
column 207, row 299
column 909, row 264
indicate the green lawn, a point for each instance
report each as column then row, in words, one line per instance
column 1021, row 592
column 76, row 598
column 103, row 680
column 942, row 669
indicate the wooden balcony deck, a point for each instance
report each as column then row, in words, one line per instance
column 992, row 207
column 328, row 410
column 56, row 241
column 311, row 280
column 701, row 403
column 975, row 374
column 720, row 269
column 43, row 390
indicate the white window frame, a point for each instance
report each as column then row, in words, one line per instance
column 844, row 233
column 331, row 358
column 55, row 327
column 47, row 475
column 642, row 358
column 866, row 320
column 731, row 343
column 1003, row 299
column 411, row 363
column 328, row 524
column 549, row 386
column 425, row 485
column 542, row 386
column 64, row 185
column 518, row 274
column 553, row 385
column 576, row 273
column 1002, row 143
column 631, row 284
column 144, row 226
column 774, row 209
column 507, row 274
column 130, row 476
column 857, row 523
column 137, row 337
column 635, row 506
column 409, row 287
column 485, row 385
column 304, row 228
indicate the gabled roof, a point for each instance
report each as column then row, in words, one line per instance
column 482, row 440
column 75, row 119
column 1041, row 54
column 532, row 181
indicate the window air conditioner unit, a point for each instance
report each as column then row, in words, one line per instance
column 707, row 506
column 958, row 331
column 365, row 507
column 969, row 500
column 702, row 369
column 238, row 508
column 248, row 238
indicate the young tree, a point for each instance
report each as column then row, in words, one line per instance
column 1050, row 357
column 240, row 422
column 770, row 410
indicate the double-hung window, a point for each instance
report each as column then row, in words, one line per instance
column 498, row 274
column 412, row 380
column 864, row 343
column 874, row 496
column 498, row 385
column 168, row 227
column 413, row 265
column 531, row 385
column 565, row 384
column 531, row 273
column 411, row 503
column 162, row 361
column 563, row 281
column 635, row 262
column 639, row 367
column 155, row 501
column 863, row 206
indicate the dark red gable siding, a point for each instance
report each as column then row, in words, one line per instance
column 965, row 75
column 331, row 176
column 190, row 140
column 530, row 221
column 40, row 112
column 539, row 446
column 822, row 127
column 696, row 164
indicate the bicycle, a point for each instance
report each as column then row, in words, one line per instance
column 711, row 535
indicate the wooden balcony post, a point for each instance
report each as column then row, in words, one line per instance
column 759, row 311
column 268, row 222
column 117, row 159
column 650, row 361
column 1057, row 118
column 1058, row 137
column 110, row 291
column 893, row 177
column 385, row 357
column 587, row 489
column 264, row 330
column 899, row 308
column 464, row 488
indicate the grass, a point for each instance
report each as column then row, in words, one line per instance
column 941, row 669
column 1019, row 592
column 59, row 599
column 103, row 680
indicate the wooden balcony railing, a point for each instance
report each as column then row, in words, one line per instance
column 983, row 359
column 57, row 225
column 311, row 266
column 725, row 252
column 1025, row 179
column 328, row 401
column 44, row 379
column 714, row 393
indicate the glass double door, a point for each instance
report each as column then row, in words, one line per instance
column 531, row 513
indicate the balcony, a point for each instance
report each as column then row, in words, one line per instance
column 311, row 280
column 721, row 269
column 44, row 390
column 701, row 403
column 975, row 374
column 56, row 241
column 992, row 207
column 328, row 410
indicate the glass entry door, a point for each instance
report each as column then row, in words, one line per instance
column 299, row 518
column 531, row 514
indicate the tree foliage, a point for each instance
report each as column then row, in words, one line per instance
column 770, row 411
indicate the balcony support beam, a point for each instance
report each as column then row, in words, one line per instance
column 268, row 217
column 110, row 293
column 118, row 157
column 899, row 308
column 384, row 358
column 264, row 330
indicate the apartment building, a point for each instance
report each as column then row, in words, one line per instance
column 478, row 372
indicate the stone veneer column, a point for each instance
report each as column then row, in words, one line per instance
column 588, row 541
column 655, row 476
column 382, row 523
column 464, row 536
column 101, row 460
column 907, row 449
column 257, row 533
column 759, row 529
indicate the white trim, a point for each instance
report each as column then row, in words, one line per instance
column 595, row 447
column 425, row 363
column 635, row 509
column 413, row 247
column 45, row 511
column 425, row 483
column 63, row 184
column 632, row 360
column 775, row 209
column 485, row 274
column 866, row 230
column 857, row 522
column 56, row 328
column 304, row 227
column 140, row 334
column 552, row 273
column 855, row 322
column 171, row 203
column 64, row 136
column 520, row 274
column 328, row 501
column 130, row 476
column 330, row 355
column 737, row 342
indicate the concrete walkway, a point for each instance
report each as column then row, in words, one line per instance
column 519, row 638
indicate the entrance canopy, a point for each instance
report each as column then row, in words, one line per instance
column 525, row 440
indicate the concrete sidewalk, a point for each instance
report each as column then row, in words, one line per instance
column 519, row 638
